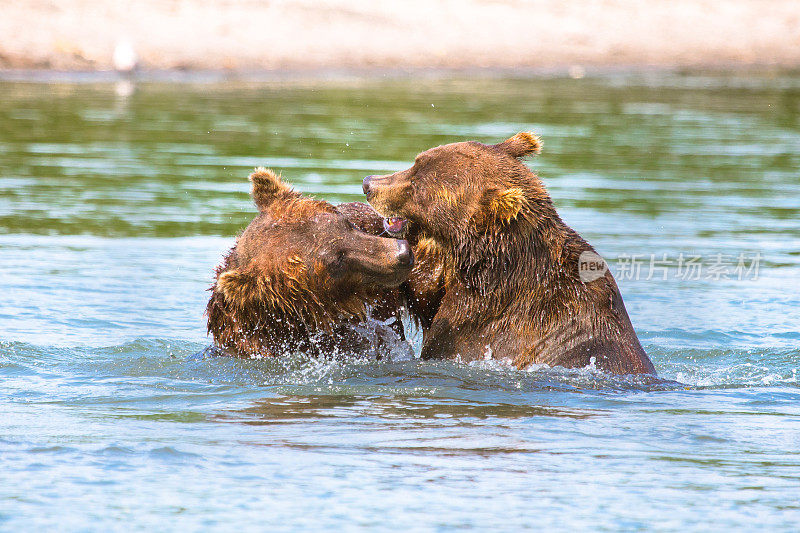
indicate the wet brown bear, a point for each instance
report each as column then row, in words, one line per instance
column 301, row 276
column 512, row 283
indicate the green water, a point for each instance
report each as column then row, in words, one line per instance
column 115, row 206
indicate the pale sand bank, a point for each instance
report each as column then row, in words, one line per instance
column 306, row 34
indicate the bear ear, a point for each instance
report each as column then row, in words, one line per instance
column 521, row 144
column 503, row 205
column 267, row 187
column 236, row 287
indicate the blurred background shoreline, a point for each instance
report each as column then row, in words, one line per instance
column 334, row 38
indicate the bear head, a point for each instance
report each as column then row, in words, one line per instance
column 301, row 257
column 457, row 189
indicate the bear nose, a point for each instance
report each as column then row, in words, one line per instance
column 365, row 184
column 404, row 254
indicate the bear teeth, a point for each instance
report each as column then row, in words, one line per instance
column 394, row 225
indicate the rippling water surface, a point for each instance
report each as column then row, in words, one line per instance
column 115, row 207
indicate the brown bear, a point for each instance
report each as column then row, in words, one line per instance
column 510, row 265
column 302, row 277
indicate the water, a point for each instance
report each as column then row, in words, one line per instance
column 115, row 208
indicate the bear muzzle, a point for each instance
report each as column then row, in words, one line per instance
column 365, row 185
column 379, row 189
column 404, row 254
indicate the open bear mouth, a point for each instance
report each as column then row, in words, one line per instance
column 395, row 225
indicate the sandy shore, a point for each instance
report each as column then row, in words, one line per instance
column 307, row 34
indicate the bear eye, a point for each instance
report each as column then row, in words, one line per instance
column 335, row 263
column 337, row 258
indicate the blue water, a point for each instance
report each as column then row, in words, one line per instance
column 115, row 208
